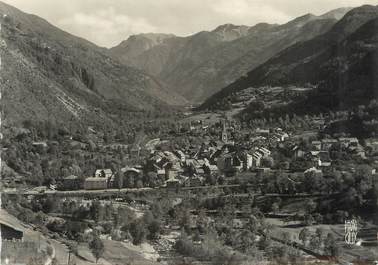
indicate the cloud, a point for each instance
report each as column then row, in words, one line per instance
column 105, row 27
column 108, row 22
column 250, row 11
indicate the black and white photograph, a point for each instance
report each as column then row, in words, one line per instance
column 198, row 132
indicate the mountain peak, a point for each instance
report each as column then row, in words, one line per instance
column 157, row 37
column 353, row 19
column 300, row 21
column 135, row 45
column 336, row 13
column 229, row 32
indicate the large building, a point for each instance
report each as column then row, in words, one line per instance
column 9, row 232
column 95, row 183
column 8, row 229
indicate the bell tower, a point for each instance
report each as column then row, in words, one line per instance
column 224, row 136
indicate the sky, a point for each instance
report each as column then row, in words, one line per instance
column 108, row 22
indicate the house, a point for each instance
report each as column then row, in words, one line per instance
column 298, row 152
column 324, row 159
column 256, row 159
column 313, row 170
column 103, row 173
column 151, row 145
column 248, row 161
column 229, row 163
column 327, row 143
column 117, row 147
column 265, row 152
column 135, row 151
column 262, row 132
column 280, row 136
column 172, row 184
column 95, row 183
column 194, row 181
column 10, row 232
column 199, row 171
column 181, row 156
column 371, row 144
column 349, row 142
column 171, row 173
column 263, row 170
column 41, row 144
column 71, row 183
column 210, row 169
column 254, row 139
column 171, row 157
column 317, row 145
column 313, row 156
column 275, row 138
column 129, row 175
column 359, row 151
column 161, row 173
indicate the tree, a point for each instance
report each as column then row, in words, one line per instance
column 315, row 242
column 154, row 229
column 138, row 232
column 97, row 248
column 275, row 207
column 308, row 219
column 310, row 206
column 304, row 235
column 320, row 233
column 330, row 245
column 286, row 237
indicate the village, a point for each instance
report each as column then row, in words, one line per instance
column 220, row 160
column 213, row 173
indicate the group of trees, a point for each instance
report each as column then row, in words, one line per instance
column 72, row 149
column 319, row 241
column 210, row 249
column 250, row 240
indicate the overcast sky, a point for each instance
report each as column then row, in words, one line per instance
column 108, row 22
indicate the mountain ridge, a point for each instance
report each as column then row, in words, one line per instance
column 58, row 75
column 326, row 61
column 199, row 65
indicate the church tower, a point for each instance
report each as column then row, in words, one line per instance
column 224, row 136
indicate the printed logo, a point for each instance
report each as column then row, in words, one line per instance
column 351, row 230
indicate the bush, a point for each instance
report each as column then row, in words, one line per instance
column 138, row 232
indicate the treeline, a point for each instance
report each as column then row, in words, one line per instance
column 78, row 219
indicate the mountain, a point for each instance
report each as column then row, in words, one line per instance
column 337, row 13
column 230, row 32
column 199, row 65
column 135, row 45
column 50, row 74
column 341, row 63
column 173, row 51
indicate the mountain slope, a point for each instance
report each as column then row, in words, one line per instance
column 199, row 65
column 172, row 51
column 48, row 73
column 341, row 62
column 136, row 45
column 261, row 46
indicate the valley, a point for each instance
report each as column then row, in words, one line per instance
column 234, row 146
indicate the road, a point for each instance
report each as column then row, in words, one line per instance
column 73, row 193
column 180, row 192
